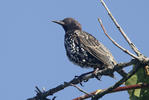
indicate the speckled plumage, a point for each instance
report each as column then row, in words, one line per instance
column 78, row 52
column 84, row 49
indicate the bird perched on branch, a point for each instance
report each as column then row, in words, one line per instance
column 84, row 49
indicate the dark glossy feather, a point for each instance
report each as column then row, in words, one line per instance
column 95, row 48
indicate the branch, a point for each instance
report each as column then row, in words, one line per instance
column 123, row 88
column 79, row 79
column 81, row 90
column 134, row 48
column 115, row 43
column 124, row 79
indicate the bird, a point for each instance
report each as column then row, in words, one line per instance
column 84, row 50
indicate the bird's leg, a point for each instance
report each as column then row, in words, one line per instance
column 98, row 77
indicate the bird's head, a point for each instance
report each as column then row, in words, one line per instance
column 69, row 24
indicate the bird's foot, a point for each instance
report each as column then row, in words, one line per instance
column 98, row 77
column 79, row 78
column 83, row 77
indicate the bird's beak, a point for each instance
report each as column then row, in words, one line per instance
column 59, row 22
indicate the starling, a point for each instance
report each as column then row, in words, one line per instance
column 85, row 50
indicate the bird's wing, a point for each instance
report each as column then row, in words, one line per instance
column 95, row 48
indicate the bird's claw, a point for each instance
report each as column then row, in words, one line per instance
column 79, row 78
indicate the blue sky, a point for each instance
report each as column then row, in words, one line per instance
column 32, row 47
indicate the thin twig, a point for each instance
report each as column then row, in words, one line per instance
column 124, row 79
column 37, row 89
column 134, row 48
column 82, row 90
column 81, row 78
column 122, row 88
column 115, row 43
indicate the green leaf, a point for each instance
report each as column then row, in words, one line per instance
column 139, row 77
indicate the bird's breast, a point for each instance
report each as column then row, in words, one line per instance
column 77, row 54
column 70, row 45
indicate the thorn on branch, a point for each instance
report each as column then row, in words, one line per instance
column 40, row 96
column 38, row 91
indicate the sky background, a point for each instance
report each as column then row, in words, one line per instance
column 32, row 49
